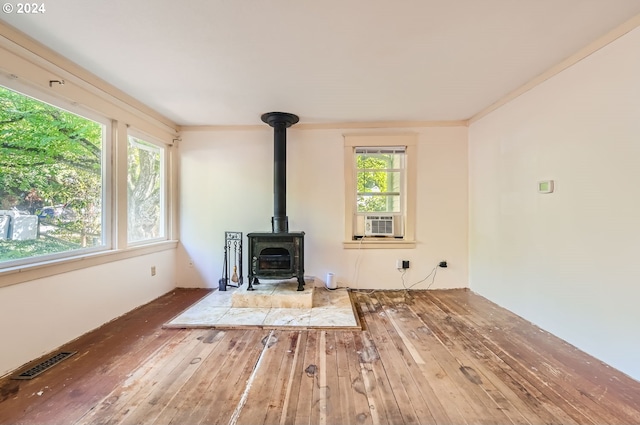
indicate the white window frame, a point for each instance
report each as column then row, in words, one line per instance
column 364, row 150
column 38, row 72
column 164, row 193
column 352, row 141
column 106, row 170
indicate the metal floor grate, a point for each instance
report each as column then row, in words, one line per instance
column 41, row 367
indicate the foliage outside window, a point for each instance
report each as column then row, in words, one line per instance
column 145, row 185
column 380, row 184
column 380, row 175
column 51, row 179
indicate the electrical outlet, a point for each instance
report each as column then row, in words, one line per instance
column 153, row 270
column 402, row 264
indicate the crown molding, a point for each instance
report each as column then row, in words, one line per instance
column 38, row 54
column 581, row 54
column 332, row 125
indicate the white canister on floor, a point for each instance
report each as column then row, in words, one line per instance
column 331, row 281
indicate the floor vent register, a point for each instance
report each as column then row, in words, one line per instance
column 44, row 365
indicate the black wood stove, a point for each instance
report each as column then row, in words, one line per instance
column 279, row 254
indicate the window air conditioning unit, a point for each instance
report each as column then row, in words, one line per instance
column 378, row 225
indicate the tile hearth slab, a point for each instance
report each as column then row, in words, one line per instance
column 244, row 316
column 288, row 317
column 274, row 294
column 331, row 309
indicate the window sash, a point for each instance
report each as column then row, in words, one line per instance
column 102, row 239
column 352, row 219
column 365, row 204
column 113, row 222
column 136, row 140
column 393, row 198
column 380, row 150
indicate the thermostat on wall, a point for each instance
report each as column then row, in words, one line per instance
column 545, row 186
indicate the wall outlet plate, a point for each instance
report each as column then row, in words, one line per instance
column 402, row 264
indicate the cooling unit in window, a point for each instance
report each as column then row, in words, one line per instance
column 378, row 225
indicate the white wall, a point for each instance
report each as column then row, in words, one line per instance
column 227, row 184
column 566, row 261
column 38, row 316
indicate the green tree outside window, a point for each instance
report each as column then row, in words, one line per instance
column 379, row 179
column 50, row 167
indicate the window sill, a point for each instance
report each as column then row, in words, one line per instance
column 27, row 272
column 378, row 244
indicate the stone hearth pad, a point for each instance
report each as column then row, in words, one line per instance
column 274, row 294
column 330, row 309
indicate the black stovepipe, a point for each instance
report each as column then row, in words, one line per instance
column 280, row 121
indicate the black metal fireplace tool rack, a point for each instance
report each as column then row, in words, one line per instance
column 232, row 253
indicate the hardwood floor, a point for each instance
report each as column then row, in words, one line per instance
column 424, row 357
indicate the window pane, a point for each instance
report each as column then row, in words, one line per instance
column 379, row 181
column 379, row 159
column 378, row 191
column 378, row 203
column 50, row 179
column 145, row 191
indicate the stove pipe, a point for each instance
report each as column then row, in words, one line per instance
column 280, row 121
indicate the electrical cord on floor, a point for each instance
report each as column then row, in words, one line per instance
column 404, row 271
column 356, row 266
column 356, row 272
column 433, row 272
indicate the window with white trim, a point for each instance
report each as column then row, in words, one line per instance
column 75, row 183
column 146, row 204
column 380, row 189
column 52, row 180
column 380, row 179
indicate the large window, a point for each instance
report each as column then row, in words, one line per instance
column 85, row 170
column 75, row 184
column 51, row 180
column 145, row 191
column 380, row 180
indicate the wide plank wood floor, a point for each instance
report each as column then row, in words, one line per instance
column 424, row 357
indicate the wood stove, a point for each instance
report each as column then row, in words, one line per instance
column 279, row 254
column 276, row 256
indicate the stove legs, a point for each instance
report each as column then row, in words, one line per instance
column 252, row 281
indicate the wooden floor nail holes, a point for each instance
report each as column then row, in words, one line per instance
column 424, row 357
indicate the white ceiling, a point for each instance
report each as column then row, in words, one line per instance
column 225, row 62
